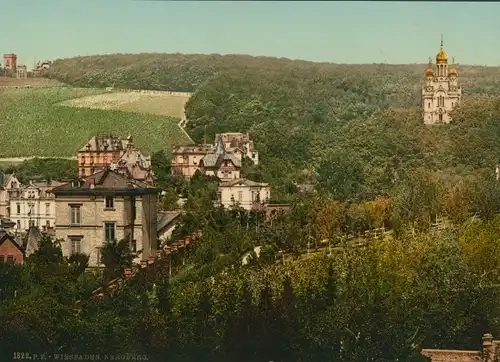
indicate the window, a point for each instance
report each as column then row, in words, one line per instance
column 240, row 195
column 11, row 259
column 109, row 231
column 429, row 105
column 47, row 223
column 76, row 244
column 133, row 246
column 47, row 209
column 440, row 117
column 254, row 196
column 18, row 224
column 18, row 208
column 109, row 202
column 32, row 223
column 75, row 217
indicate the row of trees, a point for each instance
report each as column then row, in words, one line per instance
column 381, row 302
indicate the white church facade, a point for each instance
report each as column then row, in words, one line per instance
column 441, row 92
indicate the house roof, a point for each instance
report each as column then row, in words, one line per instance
column 104, row 143
column 31, row 239
column 105, row 181
column 194, row 149
column 243, row 182
column 166, row 218
column 214, row 160
column 6, row 237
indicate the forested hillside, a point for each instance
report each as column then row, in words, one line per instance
column 306, row 116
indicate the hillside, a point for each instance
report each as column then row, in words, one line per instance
column 303, row 115
column 39, row 122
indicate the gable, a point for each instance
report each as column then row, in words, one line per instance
column 11, row 181
column 7, row 240
column 227, row 165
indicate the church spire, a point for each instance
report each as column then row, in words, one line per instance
column 441, row 41
column 220, row 149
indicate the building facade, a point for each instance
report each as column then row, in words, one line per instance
column 101, row 152
column 10, row 61
column 239, row 144
column 103, row 207
column 22, row 72
column 9, row 187
column 245, row 193
column 186, row 159
column 34, row 205
column 441, row 92
column 222, row 164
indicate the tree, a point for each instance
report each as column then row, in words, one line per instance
column 328, row 219
column 341, row 175
column 116, row 256
column 169, row 200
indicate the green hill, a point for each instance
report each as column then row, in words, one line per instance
column 43, row 122
column 305, row 115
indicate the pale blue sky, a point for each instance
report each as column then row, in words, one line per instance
column 339, row 32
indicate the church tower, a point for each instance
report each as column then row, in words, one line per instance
column 441, row 92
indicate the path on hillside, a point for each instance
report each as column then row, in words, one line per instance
column 183, row 122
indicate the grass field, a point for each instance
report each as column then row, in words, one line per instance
column 35, row 82
column 34, row 123
column 146, row 103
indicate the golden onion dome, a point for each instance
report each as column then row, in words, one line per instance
column 452, row 72
column 441, row 57
column 429, row 72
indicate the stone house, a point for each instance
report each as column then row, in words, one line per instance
column 221, row 163
column 9, row 187
column 34, row 205
column 103, row 207
column 186, row 159
column 10, row 251
column 239, row 144
column 244, row 193
column 22, row 72
column 101, row 152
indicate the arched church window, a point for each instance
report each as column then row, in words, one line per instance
column 429, row 105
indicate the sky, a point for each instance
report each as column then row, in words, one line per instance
column 336, row 32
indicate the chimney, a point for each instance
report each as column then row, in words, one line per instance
column 488, row 348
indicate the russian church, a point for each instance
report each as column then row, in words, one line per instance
column 441, row 92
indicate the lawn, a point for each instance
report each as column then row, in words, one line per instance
column 146, row 103
column 34, row 123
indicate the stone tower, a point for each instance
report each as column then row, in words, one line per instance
column 441, row 92
column 10, row 61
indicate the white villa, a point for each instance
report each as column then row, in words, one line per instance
column 244, row 193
